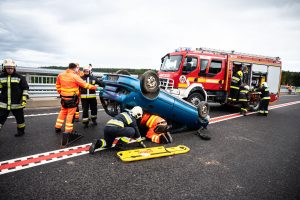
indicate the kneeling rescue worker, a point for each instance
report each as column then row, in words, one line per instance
column 13, row 95
column 123, row 125
column 157, row 128
column 67, row 85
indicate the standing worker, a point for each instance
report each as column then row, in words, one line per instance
column 123, row 125
column 236, row 81
column 243, row 98
column 157, row 128
column 67, row 85
column 264, row 99
column 88, row 97
column 13, row 95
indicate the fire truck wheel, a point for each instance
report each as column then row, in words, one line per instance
column 203, row 109
column 123, row 71
column 195, row 99
column 149, row 82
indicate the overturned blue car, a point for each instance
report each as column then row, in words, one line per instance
column 124, row 91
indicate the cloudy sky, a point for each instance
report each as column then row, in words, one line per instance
column 137, row 33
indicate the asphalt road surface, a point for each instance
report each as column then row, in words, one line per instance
column 250, row 157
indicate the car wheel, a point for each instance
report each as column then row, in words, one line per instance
column 195, row 99
column 110, row 107
column 123, row 71
column 203, row 109
column 149, row 82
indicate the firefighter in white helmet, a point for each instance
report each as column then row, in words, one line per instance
column 88, row 97
column 123, row 125
column 13, row 95
column 264, row 99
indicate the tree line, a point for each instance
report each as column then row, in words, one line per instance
column 290, row 78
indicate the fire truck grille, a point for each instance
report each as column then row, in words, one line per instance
column 166, row 84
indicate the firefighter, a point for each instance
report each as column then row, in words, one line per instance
column 123, row 125
column 264, row 99
column 13, row 95
column 157, row 128
column 236, row 81
column 67, row 85
column 76, row 116
column 88, row 97
column 243, row 100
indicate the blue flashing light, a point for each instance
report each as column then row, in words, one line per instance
column 183, row 49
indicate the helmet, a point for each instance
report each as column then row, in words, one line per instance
column 9, row 63
column 137, row 112
column 86, row 68
column 264, row 84
column 240, row 73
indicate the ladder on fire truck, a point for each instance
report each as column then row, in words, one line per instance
column 215, row 51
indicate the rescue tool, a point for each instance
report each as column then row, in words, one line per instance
column 153, row 152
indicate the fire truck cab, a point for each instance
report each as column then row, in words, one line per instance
column 205, row 74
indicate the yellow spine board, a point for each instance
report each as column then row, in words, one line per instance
column 153, row 152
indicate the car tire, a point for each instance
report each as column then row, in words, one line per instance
column 123, row 71
column 203, row 109
column 149, row 82
column 195, row 99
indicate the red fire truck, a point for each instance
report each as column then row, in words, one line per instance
column 205, row 74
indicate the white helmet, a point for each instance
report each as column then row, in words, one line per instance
column 137, row 112
column 8, row 63
column 264, row 84
column 87, row 68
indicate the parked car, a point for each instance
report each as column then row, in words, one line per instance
column 123, row 91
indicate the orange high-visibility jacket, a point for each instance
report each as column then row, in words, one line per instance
column 151, row 121
column 68, row 83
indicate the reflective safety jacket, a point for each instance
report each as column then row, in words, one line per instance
column 13, row 91
column 265, row 94
column 236, row 81
column 243, row 93
column 86, row 93
column 124, row 119
column 151, row 121
column 68, row 83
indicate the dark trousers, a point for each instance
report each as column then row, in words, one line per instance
column 111, row 132
column 89, row 104
column 234, row 93
column 19, row 115
column 263, row 106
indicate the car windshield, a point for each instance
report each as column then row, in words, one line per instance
column 171, row 63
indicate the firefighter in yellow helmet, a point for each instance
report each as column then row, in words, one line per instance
column 236, row 81
column 123, row 125
column 13, row 95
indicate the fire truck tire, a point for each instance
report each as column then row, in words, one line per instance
column 123, row 71
column 195, row 99
column 203, row 109
column 149, row 82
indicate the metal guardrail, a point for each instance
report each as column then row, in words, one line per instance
column 44, row 90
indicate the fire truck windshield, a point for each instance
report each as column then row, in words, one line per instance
column 171, row 63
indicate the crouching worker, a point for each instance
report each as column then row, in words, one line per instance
column 157, row 128
column 123, row 125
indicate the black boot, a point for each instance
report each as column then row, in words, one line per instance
column 57, row 130
column 96, row 145
column 65, row 139
column 94, row 122
column 86, row 124
column 20, row 132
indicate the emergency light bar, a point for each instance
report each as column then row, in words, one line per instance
column 183, row 49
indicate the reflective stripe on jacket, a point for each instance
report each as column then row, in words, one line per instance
column 68, row 83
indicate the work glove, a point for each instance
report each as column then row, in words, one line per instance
column 23, row 103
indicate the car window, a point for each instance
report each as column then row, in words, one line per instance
column 203, row 65
column 215, row 67
column 190, row 64
column 171, row 63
